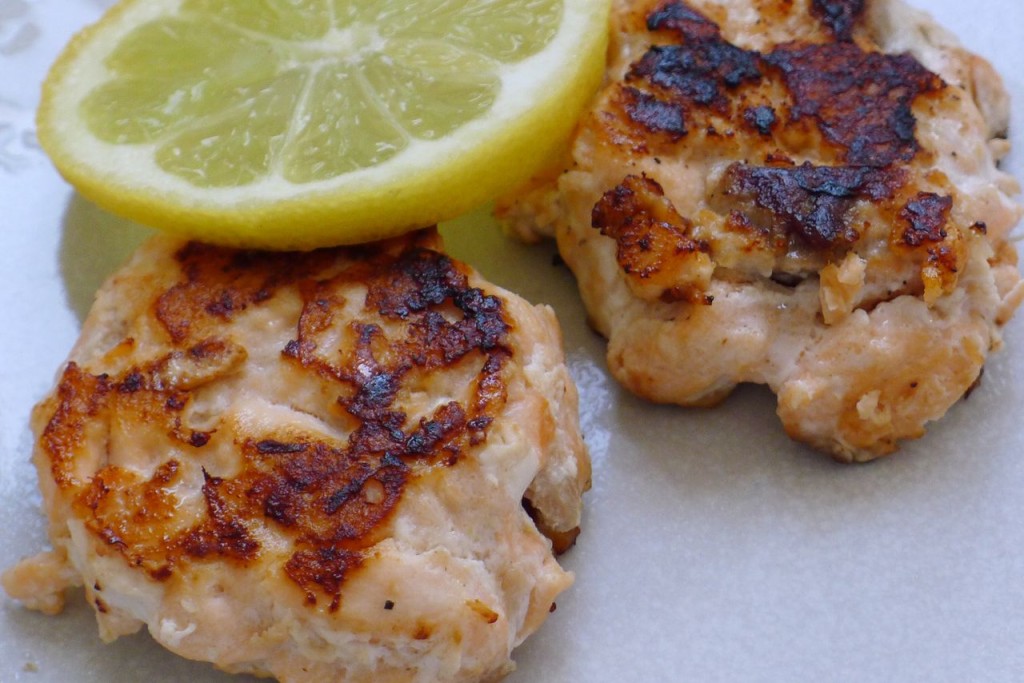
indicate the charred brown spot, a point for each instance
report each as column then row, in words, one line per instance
column 325, row 568
column 926, row 216
column 319, row 490
column 132, row 383
column 199, row 439
column 223, row 533
column 657, row 116
column 861, row 101
column 946, row 257
column 272, row 447
column 840, row 16
column 208, row 349
column 419, row 280
column 79, row 398
column 654, row 245
column 683, row 20
column 761, row 118
column 623, row 213
column 699, row 73
column 133, row 515
column 220, row 283
column 700, row 70
column 809, row 202
column 428, row 437
column 329, row 495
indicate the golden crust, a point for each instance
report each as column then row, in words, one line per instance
column 333, row 501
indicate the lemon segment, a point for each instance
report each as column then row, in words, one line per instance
column 306, row 123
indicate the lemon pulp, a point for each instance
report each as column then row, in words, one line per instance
column 298, row 123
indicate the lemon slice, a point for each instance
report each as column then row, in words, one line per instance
column 304, row 123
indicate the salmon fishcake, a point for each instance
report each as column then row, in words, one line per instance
column 350, row 464
column 797, row 193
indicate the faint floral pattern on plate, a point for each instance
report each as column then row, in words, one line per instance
column 17, row 30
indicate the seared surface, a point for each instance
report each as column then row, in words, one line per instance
column 801, row 193
column 326, row 465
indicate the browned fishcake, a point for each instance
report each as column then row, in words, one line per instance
column 318, row 466
column 800, row 193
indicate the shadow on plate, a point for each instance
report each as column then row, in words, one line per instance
column 93, row 244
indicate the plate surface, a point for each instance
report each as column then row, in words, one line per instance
column 714, row 549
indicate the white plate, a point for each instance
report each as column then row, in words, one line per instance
column 714, row 549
